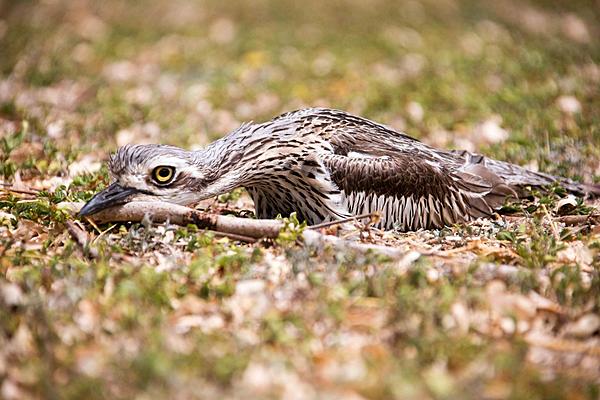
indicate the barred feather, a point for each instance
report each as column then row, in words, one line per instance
column 326, row 164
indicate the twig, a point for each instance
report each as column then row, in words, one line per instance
column 92, row 223
column 577, row 219
column 82, row 239
column 102, row 232
column 236, row 228
column 343, row 220
column 180, row 215
column 233, row 236
column 29, row 191
column 552, row 223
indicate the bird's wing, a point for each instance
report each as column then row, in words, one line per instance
column 521, row 178
column 415, row 193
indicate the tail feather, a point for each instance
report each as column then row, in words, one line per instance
column 519, row 177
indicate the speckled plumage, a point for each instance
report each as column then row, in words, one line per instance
column 326, row 164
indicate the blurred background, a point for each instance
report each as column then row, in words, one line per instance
column 515, row 78
column 169, row 312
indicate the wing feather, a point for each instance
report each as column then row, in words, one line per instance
column 413, row 194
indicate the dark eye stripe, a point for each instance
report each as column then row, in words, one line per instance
column 182, row 179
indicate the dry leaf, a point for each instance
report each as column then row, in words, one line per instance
column 568, row 104
column 566, row 205
column 12, row 295
column 584, row 327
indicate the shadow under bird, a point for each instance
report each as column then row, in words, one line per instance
column 325, row 165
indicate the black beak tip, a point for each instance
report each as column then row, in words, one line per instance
column 96, row 204
column 111, row 196
column 85, row 210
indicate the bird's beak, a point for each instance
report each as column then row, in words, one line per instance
column 113, row 195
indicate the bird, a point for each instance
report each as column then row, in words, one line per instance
column 327, row 165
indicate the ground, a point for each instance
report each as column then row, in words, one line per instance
column 503, row 308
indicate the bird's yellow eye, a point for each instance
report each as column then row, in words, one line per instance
column 163, row 174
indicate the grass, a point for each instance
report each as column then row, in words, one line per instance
column 496, row 309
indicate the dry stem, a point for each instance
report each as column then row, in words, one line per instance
column 243, row 229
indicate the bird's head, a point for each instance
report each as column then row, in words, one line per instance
column 151, row 173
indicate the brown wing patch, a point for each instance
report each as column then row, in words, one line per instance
column 430, row 195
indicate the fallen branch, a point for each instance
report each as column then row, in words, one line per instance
column 181, row 215
column 243, row 229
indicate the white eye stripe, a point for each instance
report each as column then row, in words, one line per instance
column 167, row 161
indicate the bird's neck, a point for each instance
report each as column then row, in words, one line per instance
column 224, row 161
column 223, row 155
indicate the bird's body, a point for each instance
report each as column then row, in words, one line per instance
column 326, row 164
